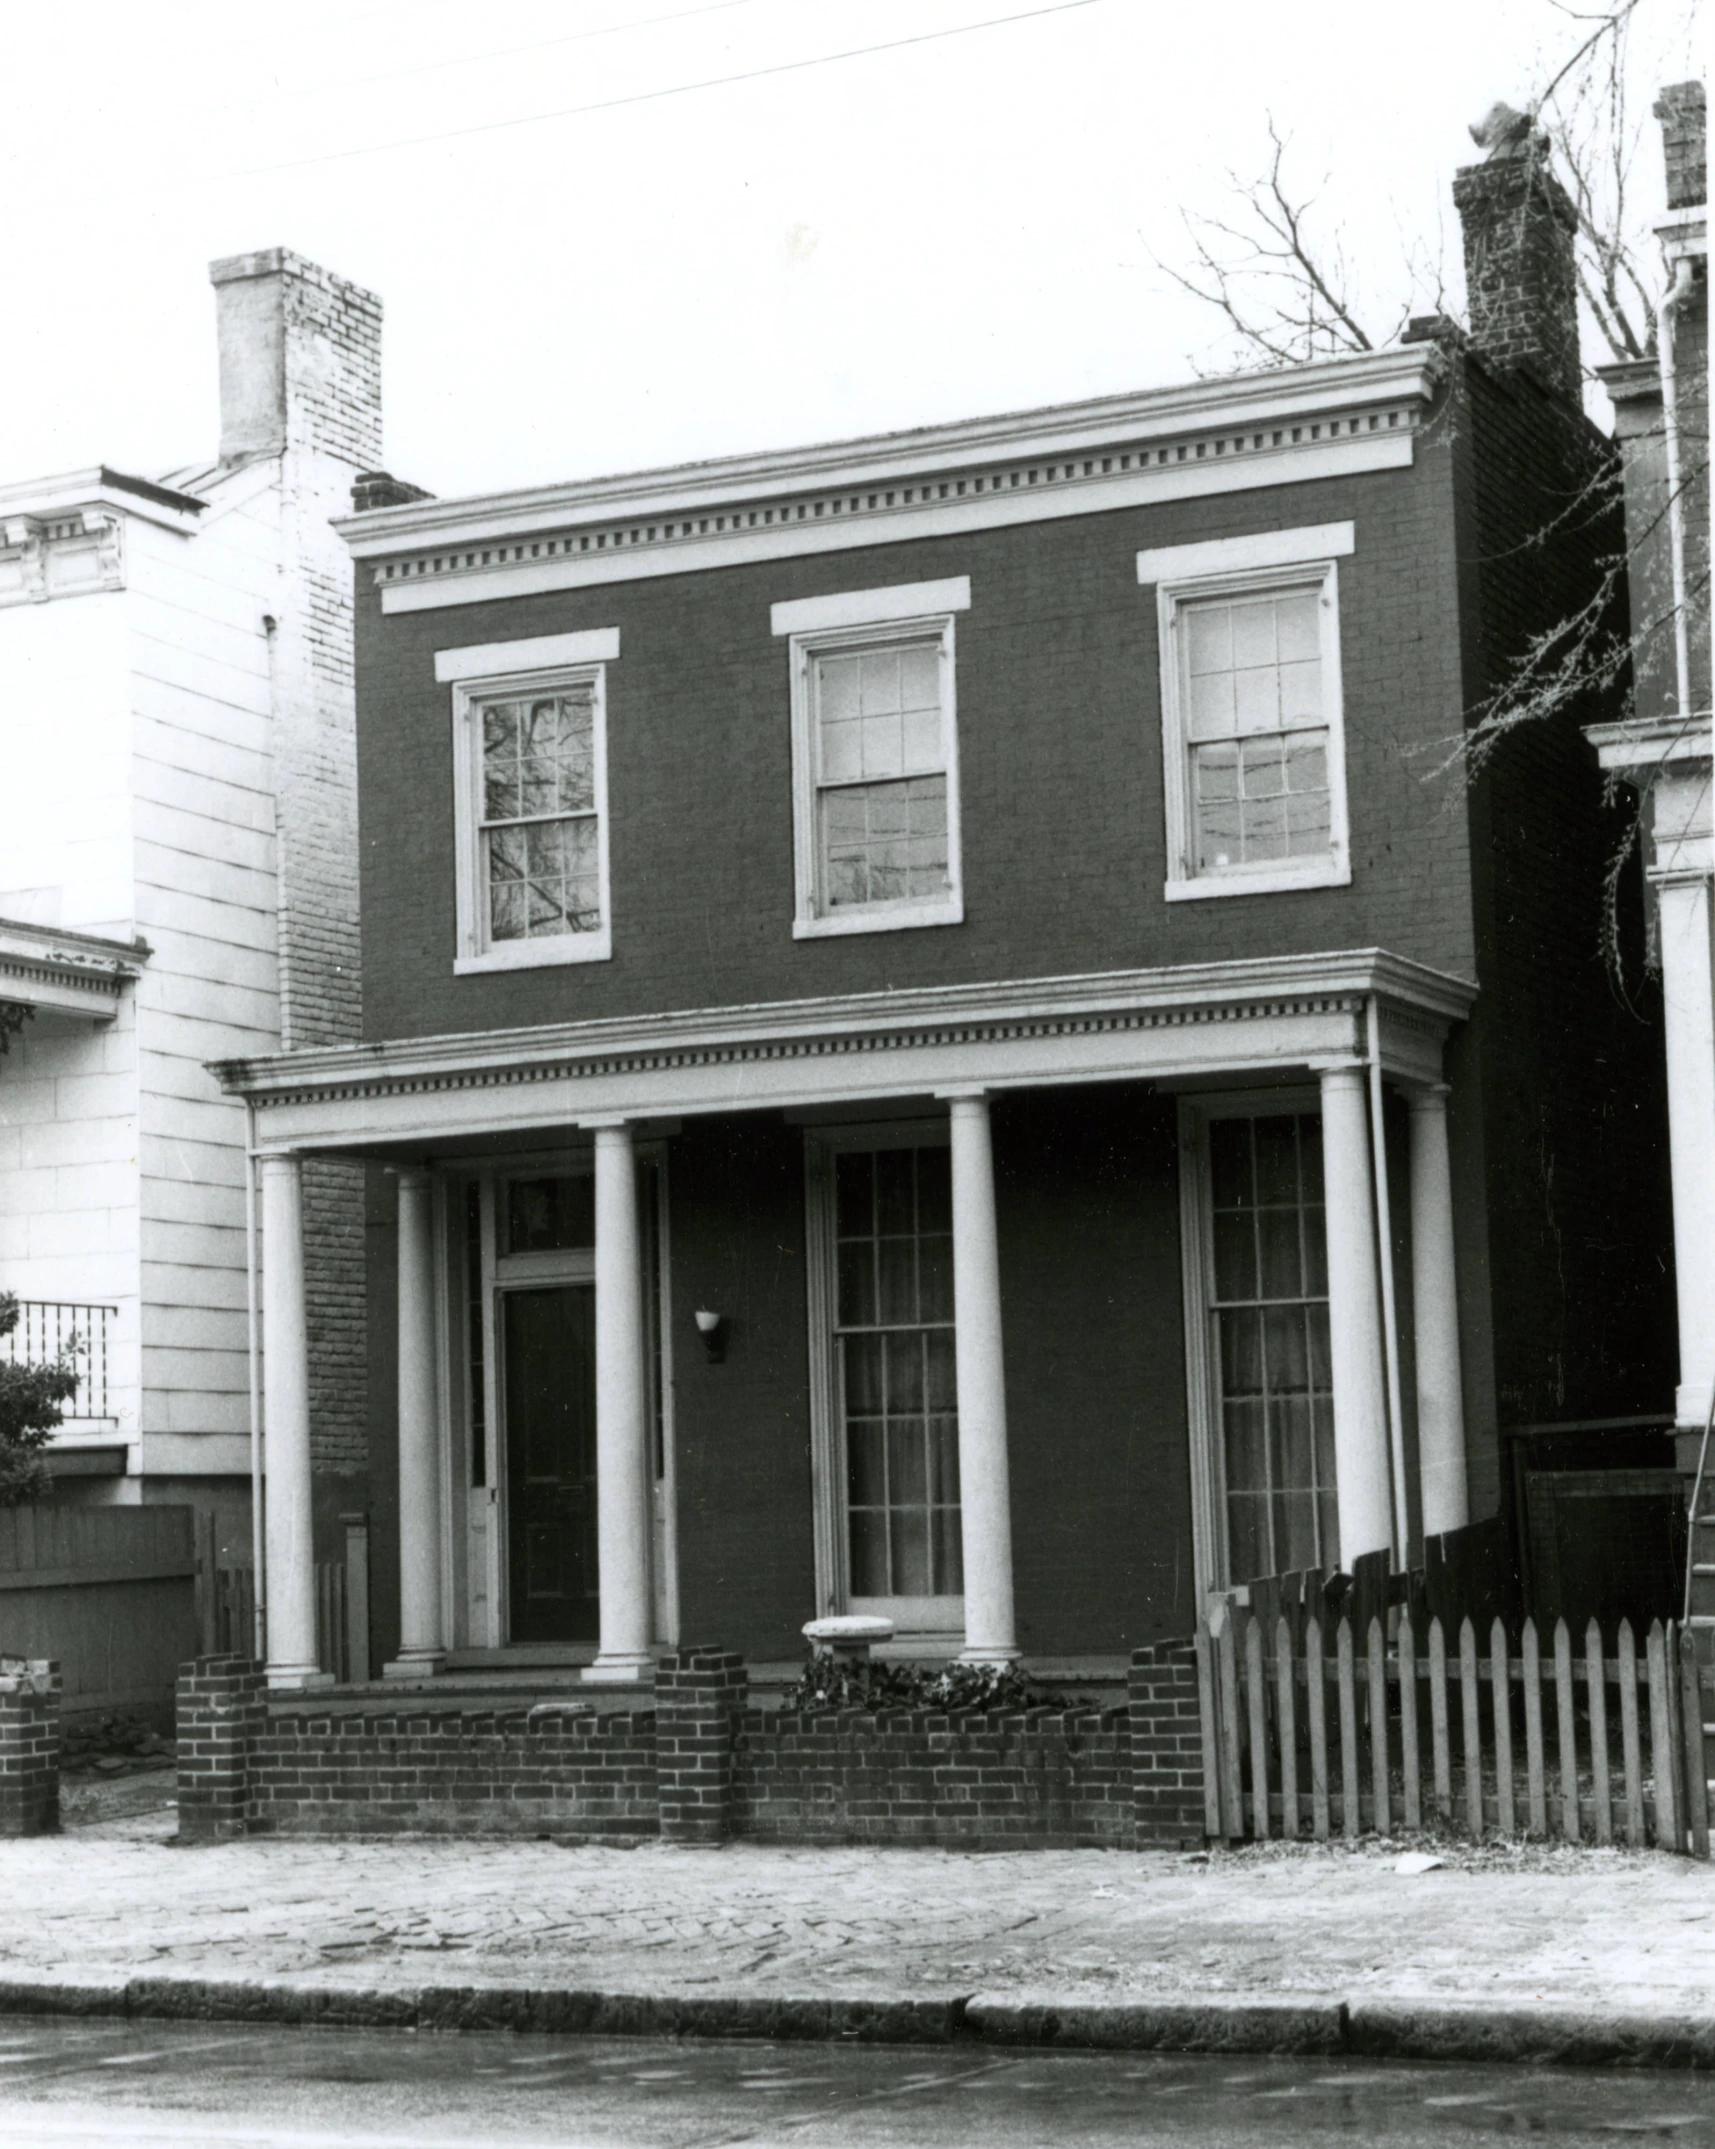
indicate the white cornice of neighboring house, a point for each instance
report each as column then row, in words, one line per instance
column 1245, row 431
column 66, row 973
column 64, row 536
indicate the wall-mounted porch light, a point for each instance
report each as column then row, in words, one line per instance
column 712, row 1328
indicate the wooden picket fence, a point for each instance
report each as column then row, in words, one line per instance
column 1302, row 1738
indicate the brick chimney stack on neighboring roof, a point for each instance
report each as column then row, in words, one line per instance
column 300, row 360
column 1521, row 283
column 1684, row 117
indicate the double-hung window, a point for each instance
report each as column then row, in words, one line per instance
column 1253, row 737
column 875, row 757
column 1262, row 1402
column 885, row 1415
column 530, row 795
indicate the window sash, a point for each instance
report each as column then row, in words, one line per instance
column 567, row 872
column 1252, row 730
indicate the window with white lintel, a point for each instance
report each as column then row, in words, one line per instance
column 875, row 757
column 530, row 800
column 1253, row 729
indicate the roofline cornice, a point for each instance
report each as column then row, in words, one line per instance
column 72, row 491
column 1191, row 992
column 1408, row 373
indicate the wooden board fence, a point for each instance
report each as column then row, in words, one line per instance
column 1340, row 1733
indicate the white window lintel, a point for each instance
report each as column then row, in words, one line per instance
column 542, row 652
column 1260, row 548
column 903, row 602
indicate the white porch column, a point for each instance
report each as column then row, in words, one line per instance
column 1354, row 1317
column 1688, row 1004
column 985, row 1498
column 1435, row 1310
column 422, row 1631
column 621, row 1416
column 289, row 1545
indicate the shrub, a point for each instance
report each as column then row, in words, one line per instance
column 30, row 1400
column 829, row 1683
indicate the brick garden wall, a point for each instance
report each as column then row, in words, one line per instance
column 698, row 1767
column 427, row 1767
column 1044, row 1778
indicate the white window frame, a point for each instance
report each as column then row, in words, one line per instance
column 1209, row 1555
column 869, row 619
column 1229, row 568
column 930, row 1618
column 496, row 671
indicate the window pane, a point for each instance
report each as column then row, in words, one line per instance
column 896, row 1263
column 837, row 688
column 909, row 1539
column 1301, row 693
column 1208, row 637
column 1298, row 626
column 1230, row 1162
column 1212, row 705
column 842, row 752
column 865, row 1357
column 904, row 1374
column 878, row 682
column 1253, row 635
column 866, row 1463
column 1276, row 1158
column 1241, row 1353
column 869, row 1552
column 1256, row 700
column 934, row 1188
column 920, row 676
column 1235, row 1255
column 907, row 1464
column 857, row 1284
column 854, row 1183
column 506, row 910
column 1247, row 1451
column 550, row 1215
column 895, row 1190
column 1277, row 1236
column 1247, row 1536
column 949, row 1552
column 942, row 1372
column 935, row 1279
column 944, row 1461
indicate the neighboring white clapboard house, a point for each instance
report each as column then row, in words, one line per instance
column 177, row 882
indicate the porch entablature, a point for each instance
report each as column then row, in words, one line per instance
column 1254, row 1018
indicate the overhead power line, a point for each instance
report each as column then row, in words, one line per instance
column 677, row 89
column 502, row 52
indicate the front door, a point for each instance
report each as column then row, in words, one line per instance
column 548, row 1366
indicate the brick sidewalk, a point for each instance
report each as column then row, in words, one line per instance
column 1538, row 1927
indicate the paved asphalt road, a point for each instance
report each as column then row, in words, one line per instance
column 136, row 2084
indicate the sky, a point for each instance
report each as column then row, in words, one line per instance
column 598, row 251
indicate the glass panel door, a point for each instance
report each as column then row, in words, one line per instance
column 548, row 1366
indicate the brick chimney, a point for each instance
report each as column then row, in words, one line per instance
column 1520, row 281
column 1684, row 137
column 300, row 360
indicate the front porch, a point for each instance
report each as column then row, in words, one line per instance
column 920, row 1304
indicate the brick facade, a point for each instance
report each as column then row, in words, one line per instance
column 29, row 1747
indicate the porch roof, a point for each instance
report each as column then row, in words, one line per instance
column 1258, row 1018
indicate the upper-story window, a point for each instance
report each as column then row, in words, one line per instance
column 1253, row 737
column 530, row 792
column 875, row 757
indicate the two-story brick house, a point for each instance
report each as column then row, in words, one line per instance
column 944, row 1035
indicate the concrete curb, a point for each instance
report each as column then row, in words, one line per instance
column 1325, row 2029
